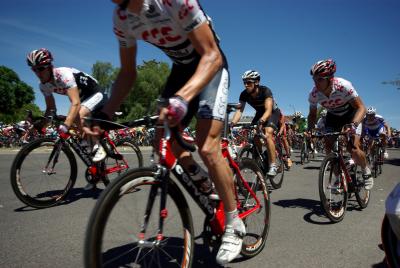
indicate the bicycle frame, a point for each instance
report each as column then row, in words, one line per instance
column 169, row 163
column 84, row 156
column 338, row 151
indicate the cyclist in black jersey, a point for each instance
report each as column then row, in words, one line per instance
column 81, row 89
column 267, row 112
column 198, row 85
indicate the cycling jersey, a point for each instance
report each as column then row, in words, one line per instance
column 163, row 23
column 338, row 102
column 66, row 78
column 258, row 102
column 375, row 123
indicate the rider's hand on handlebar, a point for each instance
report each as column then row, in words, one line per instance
column 175, row 111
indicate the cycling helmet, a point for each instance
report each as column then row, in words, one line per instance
column 323, row 112
column 298, row 114
column 251, row 75
column 39, row 57
column 323, row 68
column 371, row 111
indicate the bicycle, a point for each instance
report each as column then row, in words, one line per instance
column 45, row 170
column 251, row 150
column 375, row 155
column 338, row 179
column 159, row 233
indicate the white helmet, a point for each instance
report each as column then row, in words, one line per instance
column 323, row 112
column 251, row 75
column 298, row 114
column 371, row 111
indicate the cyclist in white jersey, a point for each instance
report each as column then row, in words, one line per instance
column 81, row 89
column 375, row 125
column 198, row 85
column 344, row 107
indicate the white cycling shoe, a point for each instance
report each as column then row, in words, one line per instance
column 100, row 153
column 231, row 244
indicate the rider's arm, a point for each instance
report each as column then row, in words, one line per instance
column 210, row 63
column 238, row 113
column 73, row 95
column 268, row 109
column 359, row 106
column 50, row 105
column 125, row 79
column 389, row 134
column 312, row 116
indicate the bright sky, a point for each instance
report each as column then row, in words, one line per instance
column 279, row 38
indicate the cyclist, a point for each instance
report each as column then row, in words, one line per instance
column 282, row 132
column 301, row 126
column 267, row 112
column 81, row 89
column 198, row 84
column 375, row 125
column 344, row 108
column 320, row 127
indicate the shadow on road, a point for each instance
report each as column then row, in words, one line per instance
column 74, row 195
column 313, row 206
column 312, row 167
column 394, row 162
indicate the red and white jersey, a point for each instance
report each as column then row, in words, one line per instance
column 163, row 23
column 338, row 102
column 66, row 78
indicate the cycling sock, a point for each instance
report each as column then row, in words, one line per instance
column 232, row 219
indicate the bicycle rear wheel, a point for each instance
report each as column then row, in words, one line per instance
column 115, row 238
column 332, row 187
column 257, row 223
column 40, row 185
column 132, row 155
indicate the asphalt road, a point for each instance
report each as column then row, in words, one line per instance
column 300, row 235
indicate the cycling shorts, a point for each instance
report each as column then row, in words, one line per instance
column 273, row 120
column 212, row 101
column 335, row 123
column 94, row 102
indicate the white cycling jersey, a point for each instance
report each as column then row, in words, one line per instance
column 66, row 78
column 338, row 103
column 375, row 123
column 163, row 23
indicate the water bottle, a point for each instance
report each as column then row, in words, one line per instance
column 232, row 150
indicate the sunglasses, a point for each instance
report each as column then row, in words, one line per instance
column 320, row 79
column 248, row 82
column 40, row 68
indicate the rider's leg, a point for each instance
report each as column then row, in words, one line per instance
column 269, row 132
column 384, row 144
column 359, row 158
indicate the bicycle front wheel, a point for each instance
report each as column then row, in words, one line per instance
column 276, row 181
column 115, row 236
column 43, row 172
column 332, row 188
column 362, row 194
column 257, row 222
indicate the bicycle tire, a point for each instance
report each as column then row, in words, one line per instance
column 131, row 154
column 114, row 202
column 380, row 159
column 362, row 195
column 134, row 149
column 248, row 151
column 334, row 213
column 46, row 196
column 276, row 181
column 256, row 227
column 390, row 244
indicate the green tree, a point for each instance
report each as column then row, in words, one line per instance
column 105, row 74
column 15, row 96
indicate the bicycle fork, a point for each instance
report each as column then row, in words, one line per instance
column 54, row 155
column 162, row 176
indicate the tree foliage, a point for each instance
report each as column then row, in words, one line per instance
column 142, row 99
column 15, row 96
